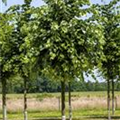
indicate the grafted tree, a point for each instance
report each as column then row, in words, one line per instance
column 21, row 17
column 6, row 52
column 109, row 19
column 66, row 45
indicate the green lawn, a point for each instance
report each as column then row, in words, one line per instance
column 84, row 114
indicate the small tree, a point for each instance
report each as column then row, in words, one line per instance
column 6, row 52
column 22, row 14
column 66, row 44
column 110, row 21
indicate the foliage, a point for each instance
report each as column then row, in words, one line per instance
column 66, row 45
column 110, row 19
column 45, row 85
column 21, row 17
column 6, row 47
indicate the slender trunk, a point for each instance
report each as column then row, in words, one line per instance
column 108, row 99
column 4, row 100
column 116, row 103
column 70, row 106
column 59, row 104
column 63, row 100
column 25, row 99
column 113, row 98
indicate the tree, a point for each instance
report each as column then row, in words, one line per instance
column 67, row 45
column 22, row 14
column 110, row 21
column 6, row 52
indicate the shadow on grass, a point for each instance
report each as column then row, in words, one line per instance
column 104, row 117
column 82, row 118
column 116, row 117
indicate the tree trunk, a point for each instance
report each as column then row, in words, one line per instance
column 63, row 100
column 25, row 98
column 4, row 100
column 70, row 106
column 108, row 99
column 113, row 98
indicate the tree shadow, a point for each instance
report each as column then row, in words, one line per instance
column 80, row 118
column 104, row 117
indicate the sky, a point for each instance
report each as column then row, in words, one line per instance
column 34, row 3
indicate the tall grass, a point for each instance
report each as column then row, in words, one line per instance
column 84, row 104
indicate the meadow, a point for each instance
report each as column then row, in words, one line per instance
column 85, row 106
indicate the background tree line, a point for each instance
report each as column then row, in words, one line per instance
column 44, row 84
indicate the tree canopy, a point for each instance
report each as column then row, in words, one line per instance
column 58, row 40
column 110, row 17
column 66, row 45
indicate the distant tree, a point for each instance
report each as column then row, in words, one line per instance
column 44, row 84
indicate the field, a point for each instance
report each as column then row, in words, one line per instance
column 85, row 106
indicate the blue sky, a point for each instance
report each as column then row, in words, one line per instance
column 35, row 3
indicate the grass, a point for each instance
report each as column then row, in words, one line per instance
column 74, row 94
column 92, row 106
column 84, row 114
